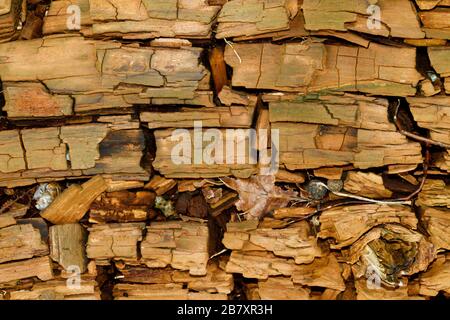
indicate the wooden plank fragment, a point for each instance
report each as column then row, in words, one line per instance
column 36, row 267
column 68, row 246
column 71, row 205
column 19, row 242
column 314, row 66
column 182, row 245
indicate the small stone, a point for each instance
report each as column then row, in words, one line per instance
column 316, row 189
column 335, row 185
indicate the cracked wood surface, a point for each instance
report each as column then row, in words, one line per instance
column 135, row 19
column 182, row 245
column 324, row 131
column 294, row 242
column 314, row 66
column 31, row 155
column 78, row 76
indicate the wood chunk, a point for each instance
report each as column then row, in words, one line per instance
column 59, row 290
column 215, row 281
column 437, row 224
column 190, row 166
column 231, row 97
column 431, row 113
column 136, row 19
column 366, row 184
column 73, row 203
column 398, row 18
column 67, row 246
column 7, row 220
column 218, row 68
column 172, row 291
column 116, row 241
column 347, row 224
column 10, row 17
column 435, row 193
column 322, row 272
column 109, row 75
column 36, row 267
column 292, row 242
column 182, row 245
column 289, row 177
column 313, row 66
column 310, row 146
column 437, row 278
column 256, row 17
column 19, row 242
column 122, row 206
column 329, row 129
column 231, row 117
column 160, row 184
column 293, row 212
column 70, row 151
column 279, row 288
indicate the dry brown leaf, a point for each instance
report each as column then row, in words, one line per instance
column 259, row 195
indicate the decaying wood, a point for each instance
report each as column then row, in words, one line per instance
column 435, row 193
column 322, row 272
column 347, row 224
column 68, row 246
column 439, row 58
column 161, row 292
column 71, row 205
column 165, row 142
column 59, row 290
column 182, row 245
column 19, row 242
column 314, row 66
column 107, row 75
column 216, row 280
column 437, row 278
column 135, row 19
column 37, row 267
column 277, row 288
column 32, row 155
column 10, row 11
column 367, row 185
column 122, row 206
column 116, row 241
column 432, row 114
column 437, row 224
column 293, row 242
column 398, row 18
column 231, row 117
column 337, row 130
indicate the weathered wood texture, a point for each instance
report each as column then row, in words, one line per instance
column 216, row 280
column 68, row 246
column 20, row 242
column 115, row 241
column 182, row 245
column 314, row 66
column 10, row 17
column 77, row 75
column 33, row 155
column 134, row 19
column 327, row 130
column 174, row 161
column 294, row 242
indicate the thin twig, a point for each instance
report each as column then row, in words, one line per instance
column 413, row 135
column 218, row 253
column 234, row 50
